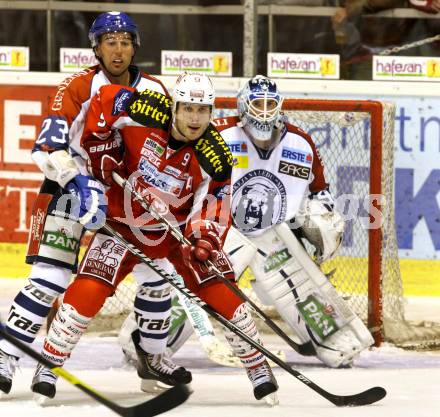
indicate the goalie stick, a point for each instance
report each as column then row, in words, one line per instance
column 306, row 349
column 366, row 397
column 165, row 401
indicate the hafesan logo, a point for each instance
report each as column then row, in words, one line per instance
column 14, row 58
column 210, row 63
column 285, row 65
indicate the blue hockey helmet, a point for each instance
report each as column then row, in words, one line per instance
column 109, row 22
column 259, row 105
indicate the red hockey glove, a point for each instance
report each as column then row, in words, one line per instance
column 206, row 245
column 105, row 156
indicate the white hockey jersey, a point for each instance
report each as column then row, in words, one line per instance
column 269, row 186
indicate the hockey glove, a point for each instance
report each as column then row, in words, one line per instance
column 104, row 158
column 89, row 203
column 206, row 245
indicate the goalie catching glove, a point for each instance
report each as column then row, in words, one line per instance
column 321, row 225
column 206, row 245
column 90, row 205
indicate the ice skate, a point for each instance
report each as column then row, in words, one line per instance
column 8, row 364
column 264, row 382
column 43, row 384
column 159, row 367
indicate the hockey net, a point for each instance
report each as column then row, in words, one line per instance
column 356, row 142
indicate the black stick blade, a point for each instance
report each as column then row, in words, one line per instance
column 165, row 401
column 369, row 396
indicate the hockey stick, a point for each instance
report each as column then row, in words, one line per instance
column 306, row 349
column 369, row 396
column 160, row 404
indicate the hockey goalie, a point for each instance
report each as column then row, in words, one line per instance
column 280, row 197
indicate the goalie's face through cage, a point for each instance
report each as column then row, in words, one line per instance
column 259, row 106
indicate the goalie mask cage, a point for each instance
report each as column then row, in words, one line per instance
column 356, row 141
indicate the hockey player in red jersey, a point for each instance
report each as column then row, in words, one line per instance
column 184, row 172
column 115, row 38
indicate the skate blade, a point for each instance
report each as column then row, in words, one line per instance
column 271, row 400
column 40, row 399
column 151, row 386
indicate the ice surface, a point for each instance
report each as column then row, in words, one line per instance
column 411, row 378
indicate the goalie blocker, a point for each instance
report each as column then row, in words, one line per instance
column 288, row 279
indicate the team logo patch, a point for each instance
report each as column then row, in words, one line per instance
column 319, row 316
column 154, row 146
column 60, row 240
column 297, row 155
column 294, row 170
column 103, row 260
column 238, row 147
column 120, row 101
column 259, row 201
column 276, row 260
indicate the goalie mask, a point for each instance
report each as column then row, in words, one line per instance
column 259, row 105
column 193, row 105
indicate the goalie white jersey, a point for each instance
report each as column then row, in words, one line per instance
column 269, row 186
column 269, row 189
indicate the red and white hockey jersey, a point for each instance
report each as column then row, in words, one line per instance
column 187, row 182
column 63, row 126
column 269, row 186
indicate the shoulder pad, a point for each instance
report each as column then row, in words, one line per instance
column 214, row 155
column 150, row 108
column 225, row 122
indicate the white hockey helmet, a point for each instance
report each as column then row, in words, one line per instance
column 259, row 106
column 194, row 88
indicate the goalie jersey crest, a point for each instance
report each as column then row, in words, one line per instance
column 259, row 201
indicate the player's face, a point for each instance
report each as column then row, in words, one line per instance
column 116, row 51
column 263, row 106
column 192, row 119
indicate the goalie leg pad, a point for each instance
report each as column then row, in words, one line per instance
column 240, row 250
column 305, row 299
column 33, row 303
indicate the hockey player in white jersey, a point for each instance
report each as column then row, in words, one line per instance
column 280, row 195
